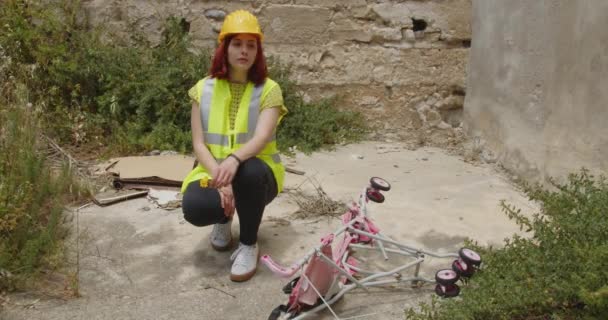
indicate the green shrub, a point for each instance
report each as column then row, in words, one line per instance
column 312, row 126
column 558, row 273
column 32, row 198
column 49, row 56
column 117, row 88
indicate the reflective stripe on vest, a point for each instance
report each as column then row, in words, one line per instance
column 206, row 103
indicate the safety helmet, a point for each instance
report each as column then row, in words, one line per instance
column 240, row 21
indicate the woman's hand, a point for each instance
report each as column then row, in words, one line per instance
column 224, row 173
column 227, row 198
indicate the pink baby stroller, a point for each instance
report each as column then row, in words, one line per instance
column 330, row 270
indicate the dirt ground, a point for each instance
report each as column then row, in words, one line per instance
column 142, row 262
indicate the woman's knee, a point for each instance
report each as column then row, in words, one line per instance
column 192, row 210
column 200, row 206
column 251, row 172
column 194, row 220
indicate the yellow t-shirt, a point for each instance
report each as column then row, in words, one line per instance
column 274, row 99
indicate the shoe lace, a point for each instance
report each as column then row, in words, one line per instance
column 248, row 251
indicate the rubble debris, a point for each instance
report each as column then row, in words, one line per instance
column 165, row 199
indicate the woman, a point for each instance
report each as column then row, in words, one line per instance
column 235, row 112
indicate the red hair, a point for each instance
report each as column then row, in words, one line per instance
column 219, row 68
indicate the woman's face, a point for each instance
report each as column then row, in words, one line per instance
column 242, row 51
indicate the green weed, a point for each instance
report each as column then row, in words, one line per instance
column 557, row 273
column 32, row 198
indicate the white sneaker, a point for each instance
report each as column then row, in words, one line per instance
column 245, row 262
column 221, row 236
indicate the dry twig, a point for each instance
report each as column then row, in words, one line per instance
column 58, row 157
column 315, row 204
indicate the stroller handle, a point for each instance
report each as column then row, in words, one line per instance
column 279, row 269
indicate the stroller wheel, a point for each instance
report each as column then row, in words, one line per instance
column 280, row 313
column 450, row 291
column 463, row 269
column 374, row 195
column 290, row 285
column 380, row 184
column 469, row 256
column 446, row 277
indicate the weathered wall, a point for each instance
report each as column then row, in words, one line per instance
column 537, row 87
column 366, row 51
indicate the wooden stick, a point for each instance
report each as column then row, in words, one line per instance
column 107, row 201
column 294, row 171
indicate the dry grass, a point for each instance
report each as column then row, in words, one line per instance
column 90, row 179
column 316, row 203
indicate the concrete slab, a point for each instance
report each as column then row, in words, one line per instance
column 140, row 262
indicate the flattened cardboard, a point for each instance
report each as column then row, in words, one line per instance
column 146, row 171
column 174, row 167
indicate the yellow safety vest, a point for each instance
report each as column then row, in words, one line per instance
column 220, row 139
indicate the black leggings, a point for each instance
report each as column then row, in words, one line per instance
column 254, row 186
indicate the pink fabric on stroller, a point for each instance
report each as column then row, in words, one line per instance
column 321, row 275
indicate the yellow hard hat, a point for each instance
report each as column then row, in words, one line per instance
column 240, row 21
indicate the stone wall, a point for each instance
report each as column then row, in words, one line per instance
column 537, row 85
column 400, row 62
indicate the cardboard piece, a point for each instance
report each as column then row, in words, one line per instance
column 172, row 167
column 164, row 172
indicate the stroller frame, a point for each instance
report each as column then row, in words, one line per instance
column 357, row 232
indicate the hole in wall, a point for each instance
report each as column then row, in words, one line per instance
column 184, row 25
column 326, row 55
column 466, row 43
column 419, row 24
column 388, row 90
column 457, row 91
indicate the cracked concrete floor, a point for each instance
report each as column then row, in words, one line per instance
column 140, row 262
